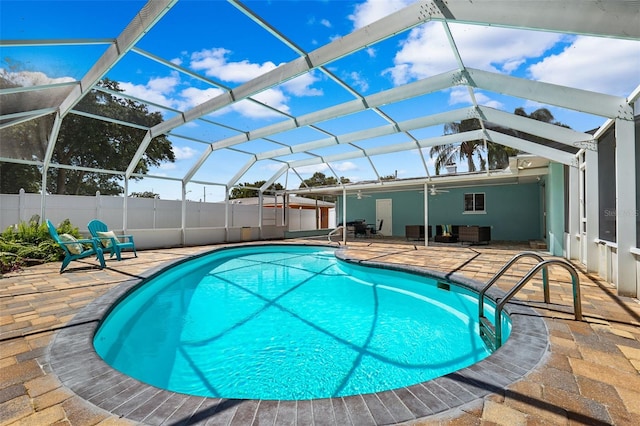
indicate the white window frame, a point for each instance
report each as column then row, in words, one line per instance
column 474, row 211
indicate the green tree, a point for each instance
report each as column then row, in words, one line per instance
column 319, row 179
column 15, row 176
column 24, row 141
column 465, row 151
column 497, row 155
column 389, row 177
column 87, row 142
column 82, row 142
column 246, row 190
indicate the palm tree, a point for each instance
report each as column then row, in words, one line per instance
column 468, row 150
column 497, row 155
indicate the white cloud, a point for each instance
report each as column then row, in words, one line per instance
column 273, row 97
column 427, row 52
column 310, row 170
column 460, row 95
column 214, row 62
column 359, row 81
column 591, row 63
column 271, row 166
column 301, row 86
column 371, row 52
column 183, row 153
column 345, row 166
column 325, row 22
column 500, row 49
column 193, row 96
column 372, row 10
column 157, row 90
column 166, row 166
column 31, row 78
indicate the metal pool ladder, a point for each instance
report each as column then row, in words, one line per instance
column 492, row 334
column 335, row 232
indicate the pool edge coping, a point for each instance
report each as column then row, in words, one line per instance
column 72, row 358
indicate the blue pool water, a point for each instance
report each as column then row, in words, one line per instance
column 289, row 322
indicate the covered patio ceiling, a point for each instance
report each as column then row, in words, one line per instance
column 363, row 106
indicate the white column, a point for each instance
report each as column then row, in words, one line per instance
column 260, row 214
column 183, row 222
column 125, row 206
column 344, row 215
column 591, row 207
column 22, row 206
column 626, row 206
column 426, row 214
column 98, row 198
column 226, row 213
column 573, row 248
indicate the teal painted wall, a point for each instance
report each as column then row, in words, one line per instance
column 555, row 208
column 513, row 211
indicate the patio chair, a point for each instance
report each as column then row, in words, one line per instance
column 111, row 242
column 74, row 249
column 376, row 232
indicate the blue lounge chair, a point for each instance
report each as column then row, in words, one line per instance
column 110, row 241
column 74, row 249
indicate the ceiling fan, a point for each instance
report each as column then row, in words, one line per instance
column 359, row 195
column 434, row 191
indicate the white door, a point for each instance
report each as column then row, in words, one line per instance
column 383, row 213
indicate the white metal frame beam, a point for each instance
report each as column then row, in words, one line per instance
column 533, row 148
column 553, row 94
column 397, row 22
column 553, row 132
column 146, row 18
column 560, row 134
column 428, row 85
column 587, row 17
column 406, row 146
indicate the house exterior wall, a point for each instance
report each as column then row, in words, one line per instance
column 512, row 211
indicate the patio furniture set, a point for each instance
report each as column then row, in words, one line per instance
column 473, row 234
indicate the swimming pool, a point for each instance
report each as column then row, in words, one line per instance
column 289, row 322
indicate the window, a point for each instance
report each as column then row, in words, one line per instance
column 474, row 203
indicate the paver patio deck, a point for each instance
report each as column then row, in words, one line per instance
column 589, row 376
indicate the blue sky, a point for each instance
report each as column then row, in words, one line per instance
column 216, row 41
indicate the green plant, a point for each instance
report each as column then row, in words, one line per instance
column 28, row 243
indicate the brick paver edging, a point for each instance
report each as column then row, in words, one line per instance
column 72, row 358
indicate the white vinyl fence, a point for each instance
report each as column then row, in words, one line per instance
column 158, row 223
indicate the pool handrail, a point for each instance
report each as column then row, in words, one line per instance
column 492, row 333
column 501, row 272
column 334, row 232
column 575, row 281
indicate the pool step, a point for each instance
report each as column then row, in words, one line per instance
column 488, row 333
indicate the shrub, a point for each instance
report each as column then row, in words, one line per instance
column 29, row 243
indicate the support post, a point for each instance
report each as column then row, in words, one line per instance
column 626, row 212
column 226, row 213
column 260, row 213
column 591, row 207
column 183, row 220
column 426, row 214
column 344, row 215
column 125, row 206
column 573, row 249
